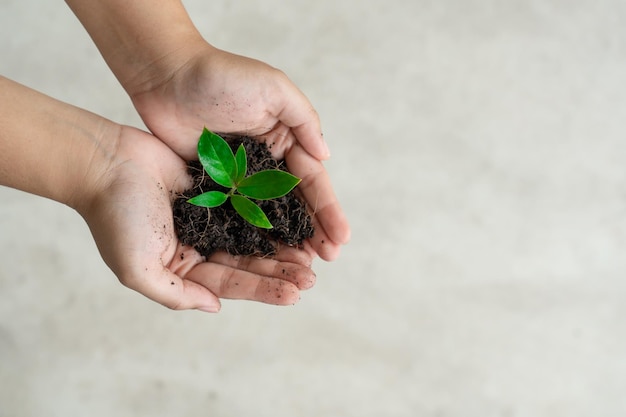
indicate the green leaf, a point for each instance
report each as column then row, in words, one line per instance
column 250, row 211
column 209, row 199
column 217, row 158
column 269, row 184
column 242, row 164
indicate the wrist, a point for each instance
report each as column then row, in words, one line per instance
column 142, row 40
column 163, row 65
column 93, row 166
column 50, row 148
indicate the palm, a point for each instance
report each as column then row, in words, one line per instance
column 132, row 225
column 233, row 94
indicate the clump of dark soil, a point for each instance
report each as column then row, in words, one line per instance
column 222, row 229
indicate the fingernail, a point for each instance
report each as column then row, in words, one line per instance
column 325, row 148
column 209, row 309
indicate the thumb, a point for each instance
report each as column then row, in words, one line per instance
column 173, row 292
column 299, row 115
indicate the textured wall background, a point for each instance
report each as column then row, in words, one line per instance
column 478, row 148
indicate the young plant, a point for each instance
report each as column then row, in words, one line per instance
column 230, row 171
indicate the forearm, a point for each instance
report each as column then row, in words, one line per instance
column 138, row 38
column 50, row 148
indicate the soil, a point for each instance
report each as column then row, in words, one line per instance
column 222, row 229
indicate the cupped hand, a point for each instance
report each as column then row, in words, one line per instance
column 205, row 86
column 130, row 218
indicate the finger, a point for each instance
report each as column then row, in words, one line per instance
column 172, row 291
column 303, row 256
column 310, row 136
column 324, row 247
column 298, row 114
column 278, row 140
column 331, row 227
column 186, row 257
column 302, row 276
column 317, row 191
column 232, row 283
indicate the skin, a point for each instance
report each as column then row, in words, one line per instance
column 179, row 83
column 121, row 181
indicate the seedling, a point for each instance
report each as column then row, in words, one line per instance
column 230, row 171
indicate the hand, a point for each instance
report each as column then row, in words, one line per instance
column 131, row 221
column 203, row 86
